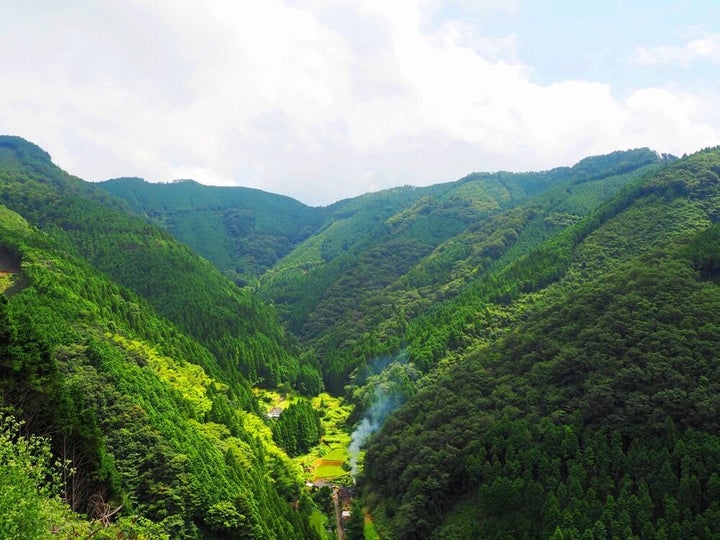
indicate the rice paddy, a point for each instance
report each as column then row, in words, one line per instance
column 329, row 459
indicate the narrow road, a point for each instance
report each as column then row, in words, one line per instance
column 338, row 515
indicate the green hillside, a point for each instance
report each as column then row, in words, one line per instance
column 154, row 430
column 521, row 355
column 352, row 291
column 122, row 396
column 242, row 231
column 371, row 264
column 591, row 413
column 242, row 332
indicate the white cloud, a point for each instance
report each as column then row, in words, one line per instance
column 696, row 49
column 668, row 120
column 317, row 99
column 476, row 8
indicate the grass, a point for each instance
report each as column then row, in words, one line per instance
column 318, row 521
column 330, row 465
column 325, row 460
column 338, row 454
column 328, row 472
column 369, row 530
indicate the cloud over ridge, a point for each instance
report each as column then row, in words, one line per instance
column 322, row 99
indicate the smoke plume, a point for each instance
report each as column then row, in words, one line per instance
column 383, row 404
column 387, row 382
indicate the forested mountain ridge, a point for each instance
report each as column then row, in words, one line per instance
column 121, row 396
column 156, row 428
column 242, row 332
column 594, row 416
column 353, row 291
column 242, row 231
column 361, row 268
column 551, row 332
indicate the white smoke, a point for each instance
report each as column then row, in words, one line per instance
column 361, row 433
column 390, row 380
column 383, row 404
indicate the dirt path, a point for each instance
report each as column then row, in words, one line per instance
column 338, row 515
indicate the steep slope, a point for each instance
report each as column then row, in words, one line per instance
column 351, row 291
column 594, row 415
column 242, row 332
column 377, row 261
column 242, row 231
column 557, row 328
column 140, row 429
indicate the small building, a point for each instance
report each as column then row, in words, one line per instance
column 318, row 484
column 275, row 412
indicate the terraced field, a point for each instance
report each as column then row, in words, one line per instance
column 328, row 460
column 330, row 466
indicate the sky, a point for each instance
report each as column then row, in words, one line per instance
column 327, row 99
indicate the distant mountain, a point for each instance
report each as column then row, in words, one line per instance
column 352, row 290
column 346, row 278
column 242, row 231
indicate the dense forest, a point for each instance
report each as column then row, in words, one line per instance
column 376, row 262
column 126, row 359
column 243, row 231
column 593, row 414
column 526, row 355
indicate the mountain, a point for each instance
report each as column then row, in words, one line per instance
column 128, row 357
column 352, row 291
column 591, row 412
column 529, row 355
column 242, row 231
column 242, row 332
column 355, row 272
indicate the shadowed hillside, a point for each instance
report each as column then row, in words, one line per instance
column 242, row 231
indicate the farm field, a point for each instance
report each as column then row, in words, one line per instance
column 269, row 399
column 330, row 465
column 328, row 460
column 325, row 461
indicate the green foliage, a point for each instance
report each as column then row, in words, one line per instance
column 132, row 421
column 597, row 410
column 535, row 257
column 704, row 252
column 150, row 422
column 243, row 333
column 298, row 428
column 352, row 291
column 356, row 523
column 30, row 488
column 29, row 502
column 585, row 408
column 242, row 231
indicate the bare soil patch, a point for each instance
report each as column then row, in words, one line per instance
column 9, row 262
